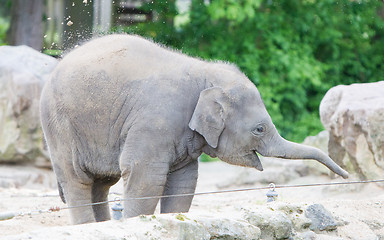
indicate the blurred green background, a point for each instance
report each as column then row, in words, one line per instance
column 293, row 50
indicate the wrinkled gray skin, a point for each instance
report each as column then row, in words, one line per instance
column 122, row 106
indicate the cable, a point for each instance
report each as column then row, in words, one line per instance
column 10, row 215
column 229, row 191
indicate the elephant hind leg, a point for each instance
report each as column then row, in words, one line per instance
column 100, row 190
column 73, row 190
column 79, row 197
column 61, row 193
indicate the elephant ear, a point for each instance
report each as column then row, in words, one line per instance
column 209, row 115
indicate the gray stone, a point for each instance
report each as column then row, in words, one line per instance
column 161, row 227
column 296, row 214
column 279, row 220
column 354, row 115
column 229, row 229
column 313, row 236
column 26, row 177
column 319, row 141
column 23, row 72
column 322, row 220
column 180, row 226
column 309, row 235
column 273, row 224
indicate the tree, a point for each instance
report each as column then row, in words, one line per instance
column 293, row 50
column 27, row 23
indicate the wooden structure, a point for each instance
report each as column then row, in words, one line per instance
column 130, row 12
column 71, row 22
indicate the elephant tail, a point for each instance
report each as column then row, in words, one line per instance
column 61, row 193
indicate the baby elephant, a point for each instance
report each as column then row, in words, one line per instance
column 123, row 106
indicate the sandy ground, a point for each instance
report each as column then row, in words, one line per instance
column 359, row 206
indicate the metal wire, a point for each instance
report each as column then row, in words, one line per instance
column 55, row 209
column 228, row 191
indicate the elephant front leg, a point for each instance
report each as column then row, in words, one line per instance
column 182, row 181
column 145, row 179
column 144, row 171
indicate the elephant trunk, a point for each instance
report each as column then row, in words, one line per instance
column 291, row 150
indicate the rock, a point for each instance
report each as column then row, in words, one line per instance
column 224, row 228
column 319, row 141
column 23, row 72
column 177, row 226
column 309, row 235
column 296, row 214
column 354, row 115
column 27, row 177
column 273, row 224
column 313, row 236
column 277, row 220
column 164, row 226
column 322, row 220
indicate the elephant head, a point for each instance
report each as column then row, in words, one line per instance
column 236, row 126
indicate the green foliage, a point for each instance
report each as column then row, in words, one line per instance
column 4, row 25
column 5, row 10
column 205, row 158
column 293, row 50
column 52, row 52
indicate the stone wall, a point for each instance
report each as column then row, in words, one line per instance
column 269, row 222
column 354, row 117
column 23, row 72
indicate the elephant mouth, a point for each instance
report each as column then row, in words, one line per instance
column 255, row 160
column 251, row 159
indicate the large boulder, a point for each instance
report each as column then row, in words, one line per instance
column 279, row 220
column 276, row 220
column 164, row 226
column 354, row 116
column 23, row 72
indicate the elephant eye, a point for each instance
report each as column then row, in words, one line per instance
column 260, row 129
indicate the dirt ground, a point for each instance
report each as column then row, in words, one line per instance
column 359, row 206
